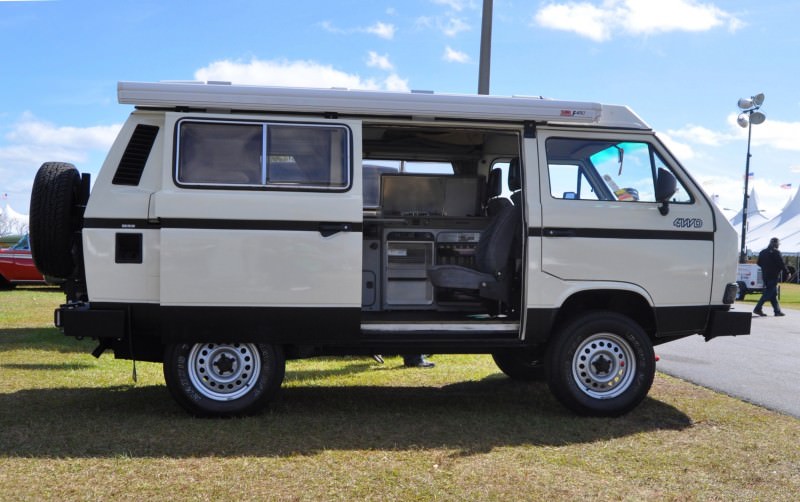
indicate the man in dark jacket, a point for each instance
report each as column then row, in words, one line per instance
column 772, row 265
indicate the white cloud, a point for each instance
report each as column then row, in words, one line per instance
column 394, row 83
column 293, row 73
column 702, row 135
column 455, row 5
column 453, row 56
column 777, row 134
column 600, row 22
column 680, row 150
column 582, row 18
column 32, row 131
column 729, row 191
column 330, row 28
column 377, row 61
column 31, row 141
column 453, row 26
column 717, row 159
column 382, row 30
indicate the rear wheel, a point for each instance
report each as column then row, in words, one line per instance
column 223, row 379
column 601, row 364
column 54, row 218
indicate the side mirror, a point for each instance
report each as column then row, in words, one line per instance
column 666, row 186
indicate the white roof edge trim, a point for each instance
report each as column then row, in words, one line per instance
column 380, row 103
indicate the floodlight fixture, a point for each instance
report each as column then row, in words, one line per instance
column 753, row 102
column 757, row 118
column 747, row 118
column 742, row 120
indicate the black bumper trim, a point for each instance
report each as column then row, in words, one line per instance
column 728, row 323
column 78, row 320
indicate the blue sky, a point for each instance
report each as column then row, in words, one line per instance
column 680, row 64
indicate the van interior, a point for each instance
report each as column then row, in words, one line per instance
column 443, row 238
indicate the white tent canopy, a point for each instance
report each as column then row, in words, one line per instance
column 12, row 222
column 755, row 217
column 785, row 226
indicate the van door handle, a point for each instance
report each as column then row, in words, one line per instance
column 559, row 232
column 328, row 229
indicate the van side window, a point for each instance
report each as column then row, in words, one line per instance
column 262, row 155
column 311, row 156
column 605, row 170
column 568, row 181
column 219, row 153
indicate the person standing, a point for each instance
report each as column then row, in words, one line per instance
column 772, row 264
column 416, row 361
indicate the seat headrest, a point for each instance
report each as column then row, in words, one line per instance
column 494, row 184
column 514, row 175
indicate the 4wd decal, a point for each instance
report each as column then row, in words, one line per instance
column 688, row 223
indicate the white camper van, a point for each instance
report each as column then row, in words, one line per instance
column 234, row 227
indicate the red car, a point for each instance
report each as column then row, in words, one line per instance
column 16, row 266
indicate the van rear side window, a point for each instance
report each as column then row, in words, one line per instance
column 262, row 155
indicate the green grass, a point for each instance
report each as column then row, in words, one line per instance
column 77, row 428
column 790, row 296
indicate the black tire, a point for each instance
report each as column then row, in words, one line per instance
column 601, row 364
column 54, row 218
column 522, row 365
column 223, row 379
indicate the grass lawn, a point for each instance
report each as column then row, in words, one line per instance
column 77, row 428
column 790, row 297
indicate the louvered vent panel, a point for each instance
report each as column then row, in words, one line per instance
column 129, row 170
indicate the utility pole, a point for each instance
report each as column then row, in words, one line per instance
column 486, row 48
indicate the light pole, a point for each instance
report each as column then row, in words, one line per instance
column 486, row 48
column 749, row 116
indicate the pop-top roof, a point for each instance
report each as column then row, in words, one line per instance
column 378, row 103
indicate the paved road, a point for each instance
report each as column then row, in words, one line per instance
column 761, row 368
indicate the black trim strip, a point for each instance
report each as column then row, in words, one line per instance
column 619, row 233
column 120, row 223
column 212, row 224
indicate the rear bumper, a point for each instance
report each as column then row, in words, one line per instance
column 728, row 323
column 78, row 320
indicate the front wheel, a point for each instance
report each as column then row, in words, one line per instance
column 601, row 364
column 223, row 379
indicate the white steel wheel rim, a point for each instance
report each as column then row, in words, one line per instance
column 604, row 366
column 224, row 372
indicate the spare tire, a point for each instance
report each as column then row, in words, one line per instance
column 54, row 218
